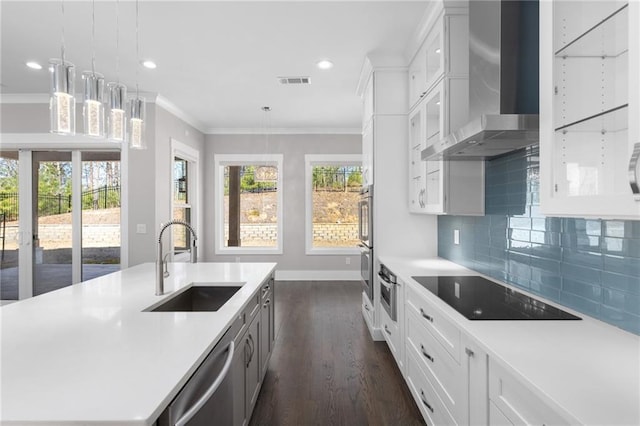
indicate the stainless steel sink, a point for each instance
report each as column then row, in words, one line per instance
column 197, row 298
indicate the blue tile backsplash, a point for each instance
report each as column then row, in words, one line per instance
column 590, row 265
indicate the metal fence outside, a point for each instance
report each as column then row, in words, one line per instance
column 51, row 204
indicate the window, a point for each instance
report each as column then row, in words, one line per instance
column 333, row 184
column 249, row 204
column 184, row 197
column 181, row 206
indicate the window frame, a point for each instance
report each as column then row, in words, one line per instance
column 192, row 157
column 220, row 162
column 312, row 160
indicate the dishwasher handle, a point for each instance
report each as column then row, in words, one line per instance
column 212, row 389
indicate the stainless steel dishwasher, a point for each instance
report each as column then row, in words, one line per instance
column 207, row 398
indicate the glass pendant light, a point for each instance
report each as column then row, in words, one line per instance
column 137, row 104
column 62, row 103
column 93, row 110
column 117, row 96
column 117, row 118
column 136, row 122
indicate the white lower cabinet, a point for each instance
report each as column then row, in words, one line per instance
column 443, row 330
column 368, row 311
column 392, row 335
column 455, row 382
column 512, row 402
column 426, row 397
column 438, row 369
column 446, row 375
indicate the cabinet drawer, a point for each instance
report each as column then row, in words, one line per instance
column 516, row 402
column 247, row 314
column 442, row 329
column 367, row 309
column 444, row 373
column 432, row 409
column 265, row 291
column 391, row 333
column 496, row 417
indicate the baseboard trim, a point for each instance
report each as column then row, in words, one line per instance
column 317, row 275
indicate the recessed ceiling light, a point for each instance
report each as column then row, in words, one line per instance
column 324, row 64
column 149, row 64
column 34, row 65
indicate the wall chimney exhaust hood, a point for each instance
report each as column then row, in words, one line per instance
column 503, row 83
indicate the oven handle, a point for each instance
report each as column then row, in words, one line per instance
column 388, row 284
column 386, row 280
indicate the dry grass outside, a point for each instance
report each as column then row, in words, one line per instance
column 329, row 207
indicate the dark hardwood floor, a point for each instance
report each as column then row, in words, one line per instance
column 325, row 369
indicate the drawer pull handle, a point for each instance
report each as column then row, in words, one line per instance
column 426, row 355
column 387, row 330
column 266, row 303
column 427, row 317
column 424, row 401
column 366, row 307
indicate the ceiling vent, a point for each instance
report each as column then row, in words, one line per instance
column 294, row 80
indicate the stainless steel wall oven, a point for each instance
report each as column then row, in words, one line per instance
column 365, row 235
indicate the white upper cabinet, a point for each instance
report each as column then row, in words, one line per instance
column 442, row 96
column 417, row 169
column 367, row 153
column 417, row 76
column 589, row 108
column 444, row 52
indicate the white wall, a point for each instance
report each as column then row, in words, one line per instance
column 293, row 262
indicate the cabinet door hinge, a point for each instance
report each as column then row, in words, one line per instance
column 555, row 187
column 555, row 90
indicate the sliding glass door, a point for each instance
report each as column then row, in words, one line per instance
column 59, row 219
column 52, row 221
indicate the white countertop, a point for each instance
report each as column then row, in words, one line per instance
column 588, row 367
column 89, row 354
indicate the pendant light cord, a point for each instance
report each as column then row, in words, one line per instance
column 137, row 48
column 118, row 41
column 62, row 47
column 93, row 36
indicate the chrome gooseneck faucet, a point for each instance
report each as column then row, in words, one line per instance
column 160, row 261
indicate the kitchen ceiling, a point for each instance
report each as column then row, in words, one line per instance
column 218, row 61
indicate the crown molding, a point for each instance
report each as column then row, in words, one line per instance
column 379, row 61
column 169, row 106
column 284, row 131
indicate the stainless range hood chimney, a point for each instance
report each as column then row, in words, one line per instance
column 503, row 83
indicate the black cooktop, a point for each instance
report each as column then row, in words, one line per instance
column 480, row 299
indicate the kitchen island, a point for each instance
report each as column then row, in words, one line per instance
column 90, row 354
